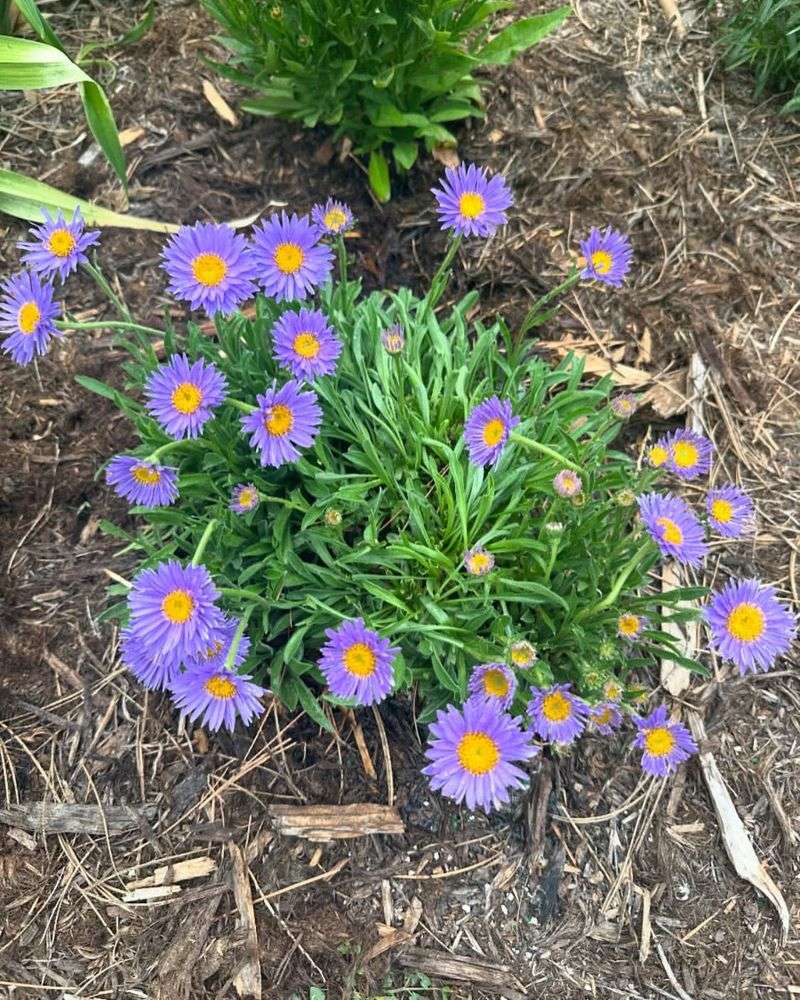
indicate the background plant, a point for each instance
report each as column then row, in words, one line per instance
column 764, row 35
column 394, row 73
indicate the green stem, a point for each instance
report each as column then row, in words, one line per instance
column 544, row 450
column 100, row 280
column 540, row 303
column 285, row 503
column 107, row 325
column 619, row 583
column 201, row 545
column 440, row 279
column 237, row 638
column 341, row 250
column 244, row 407
column 247, row 595
column 154, row 456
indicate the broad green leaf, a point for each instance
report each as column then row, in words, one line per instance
column 31, row 13
column 29, row 65
column 24, row 198
column 379, row 176
column 521, row 35
column 405, row 154
column 100, row 119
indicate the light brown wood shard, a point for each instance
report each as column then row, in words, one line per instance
column 327, row 823
column 58, row 817
column 247, row 980
column 490, row 976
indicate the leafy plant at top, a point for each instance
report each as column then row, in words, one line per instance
column 764, row 35
column 384, row 73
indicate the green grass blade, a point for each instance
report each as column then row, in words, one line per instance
column 100, row 119
column 29, row 65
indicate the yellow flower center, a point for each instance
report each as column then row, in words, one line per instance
column 220, row 687
column 213, row 650
column 186, row 397
column 394, row 343
column 746, row 622
column 209, row 269
column 628, row 624
column 178, row 606
column 603, row 717
column 493, row 432
column 61, row 242
column 478, row 753
column 612, row 690
column 495, row 683
column 671, row 532
column 359, row 660
column 27, row 318
column 471, row 205
column 334, row 219
column 555, row 707
column 247, row 498
column 568, row 483
column 659, row 741
column 602, row 261
column 288, row 258
column 478, row 563
column 522, row 654
column 306, row 345
column 685, row 455
column 145, row 476
column 722, row 510
column 658, row 455
column 279, row 420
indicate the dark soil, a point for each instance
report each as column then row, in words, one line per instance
column 605, row 125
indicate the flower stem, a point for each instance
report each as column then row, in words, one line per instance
column 237, row 638
column 540, row 303
column 619, row 583
column 247, row 595
column 341, row 250
column 544, row 450
column 440, row 279
column 107, row 325
column 201, row 545
column 100, row 280
column 154, row 456
column 244, row 407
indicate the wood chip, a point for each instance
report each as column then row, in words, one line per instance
column 151, row 894
column 446, row 155
column 129, row 135
column 179, row 872
column 490, row 976
column 737, row 841
column 326, row 823
column 668, row 396
column 58, row 817
column 219, row 104
column 247, row 980
column 670, row 10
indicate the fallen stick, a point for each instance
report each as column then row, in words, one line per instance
column 327, row 823
column 58, row 817
column 490, row 976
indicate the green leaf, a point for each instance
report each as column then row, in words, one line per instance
column 405, row 154
column 29, row 65
column 31, row 13
column 311, row 705
column 100, row 119
column 24, row 198
column 379, row 176
column 521, row 35
column 135, row 34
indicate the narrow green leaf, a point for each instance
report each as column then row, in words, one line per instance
column 29, row 65
column 31, row 13
column 521, row 35
column 379, row 176
column 100, row 119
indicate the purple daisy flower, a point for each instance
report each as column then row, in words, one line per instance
column 730, row 511
column 305, row 344
column 27, row 316
column 472, row 203
column 630, row 626
column 286, row 419
column 666, row 744
column 522, row 653
column 608, row 256
column 291, row 260
column 689, row 454
column 557, row 714
column 219, row 644
column 58, row 246
column 210, row 267
column 658, row 453
column 333, row 217
column 494, row 681
column 357, row 662
column 624, row 406
column 749, row 625
column 605, row 718
column 218, row 695
column 393, row 339
column 478, row 561
column 486, row 430
column 567, row 483
column 244, row 498
column 173, row 609
column 674, row 527
column 473, row 753
column 182, row 396
column 147, row 484
column 154, row 671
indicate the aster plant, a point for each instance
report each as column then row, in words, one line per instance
column 343, row 498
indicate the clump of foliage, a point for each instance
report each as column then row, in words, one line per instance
column 384, row 73
column 764, row 36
